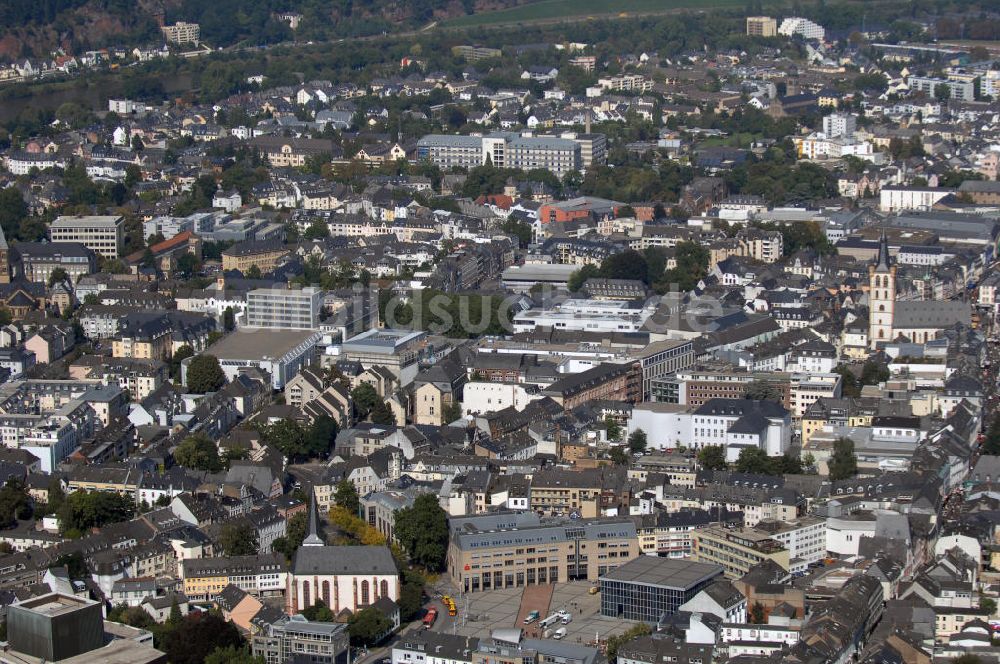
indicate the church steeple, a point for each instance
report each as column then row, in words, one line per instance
column 881, row 296
column 882, row 263
column 313, row 538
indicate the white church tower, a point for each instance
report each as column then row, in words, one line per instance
column 881, row 296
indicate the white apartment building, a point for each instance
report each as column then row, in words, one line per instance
column 840, row 124
column 104, row 235
column 961, row 90
column 796, row 25
column 284, row 309
column 504, row 150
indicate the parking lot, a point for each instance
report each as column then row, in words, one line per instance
column 478, row 613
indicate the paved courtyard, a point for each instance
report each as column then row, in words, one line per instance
column 483, row 611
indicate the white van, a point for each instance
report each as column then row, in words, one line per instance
column 561, row 632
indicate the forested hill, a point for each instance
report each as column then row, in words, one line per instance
column 37, row 27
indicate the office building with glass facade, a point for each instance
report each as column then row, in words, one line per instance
column 649, row 587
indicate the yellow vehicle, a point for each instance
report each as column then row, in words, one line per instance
column 452, row 610
column 594, row 590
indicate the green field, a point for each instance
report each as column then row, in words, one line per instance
column 552, row 10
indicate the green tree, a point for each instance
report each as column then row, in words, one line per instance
column 198, row 452
column 295, row 533
column 188, row 264
column 83, row 510
column 204, row 374
column 968, row 659
column 753, row 460
column 179, row 356
column 873, row 373
column 760, row 390
column 637, row 441
column 756, row 613
column 451, row 412
column 233, row 655
column 58, row 276
column 13, row 211
column 991, row 444
column 989, row 605
column 422, row 530
column 712, row 457
column 320, row 436
column 618, row 456
column 364, row 397
column 346, row 495
column 239, row 539
column 942, row 92
column 616, row 642
column 613, row 429
column 319, row 612
column 628, row 264
column 692, row 266
column 286, row 436
column 843, row 463
column 849, row 384
column 317, row 230
column 367, row 626
column 382, row 414
column 411, row 596
column 175, row 617
column 579, row 277
column 253, row 272
column 15, row 503
column 229, row 319
column 199, row 635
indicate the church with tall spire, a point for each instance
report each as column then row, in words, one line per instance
column 890, row 318
column 344, row 578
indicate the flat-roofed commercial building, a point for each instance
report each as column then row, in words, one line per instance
column 649, row 587
column 509, row 150
column 283, row 308
column 737, row 550
column 281, row 353
column 515, row 550
column 289, row 637
column 102, row 234
column 396, row 350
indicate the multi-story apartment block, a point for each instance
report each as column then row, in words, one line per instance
column 840, row 124
column 803, row 27
column 515, row 550
column 104, row 235
column 737, row 550
column 263, row 575
column 280, row 308
column 182, row 33
column 508, row 150
column 762, row 26
column 960, row 90
column 473, row 53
